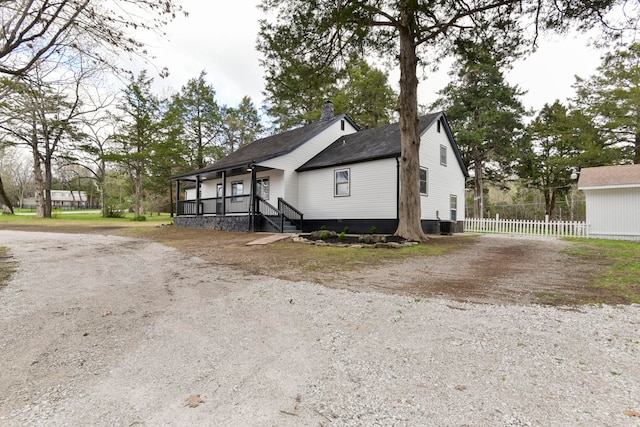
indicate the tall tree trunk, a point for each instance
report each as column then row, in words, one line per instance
column 636, row 149
column 138, row 189
column 5, row 199
column 48, row 182
column 39, row 181
column 409, row 215
column 550, row 202
column 478, row 193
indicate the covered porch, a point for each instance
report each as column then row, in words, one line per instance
column 220, row 199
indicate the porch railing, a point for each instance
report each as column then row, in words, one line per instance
column 270, row 213
column 291, row 213
column 213, row 206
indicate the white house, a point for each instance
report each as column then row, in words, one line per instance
column 328, row 173
column 61, row 199
column 612, row 200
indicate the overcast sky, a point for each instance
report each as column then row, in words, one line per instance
column 220, row 38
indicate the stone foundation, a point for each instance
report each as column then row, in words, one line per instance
column 227, row 223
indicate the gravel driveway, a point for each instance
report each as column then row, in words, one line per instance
column 111, row 331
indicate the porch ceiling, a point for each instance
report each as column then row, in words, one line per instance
column 217, row 174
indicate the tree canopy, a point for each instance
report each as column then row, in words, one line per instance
column 58, row 31
column 411, row 34
column 612, row 97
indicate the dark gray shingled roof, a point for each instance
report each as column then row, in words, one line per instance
column 372, row 144
column 268, row 148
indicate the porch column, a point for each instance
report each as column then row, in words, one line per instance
column 224, row 193
column 252, row 203
column 178, row 210
column 197, row 194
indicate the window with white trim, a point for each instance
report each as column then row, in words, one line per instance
column 342, row 185
column 443, row 155
column 237, row 189
column 262, row 188
column 453, row 204
column 424, row 181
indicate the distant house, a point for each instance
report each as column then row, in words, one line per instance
column 613, row 201
column 62, row 199
column 328, row 173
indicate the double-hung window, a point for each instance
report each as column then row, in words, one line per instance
column 453, row 204
column 237, row 189
column 443, row 155
column 262, row 188
column 424, row 181
column 342, row 185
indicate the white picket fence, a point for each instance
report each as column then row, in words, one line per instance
column 527, row 227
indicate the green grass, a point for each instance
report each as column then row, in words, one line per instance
column 71, row 217
column 622, row 275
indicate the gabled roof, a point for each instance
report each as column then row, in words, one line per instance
column 374, row 144
column 610, row 176
column 269, row 147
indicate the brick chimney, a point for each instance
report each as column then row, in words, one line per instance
column 327, row 111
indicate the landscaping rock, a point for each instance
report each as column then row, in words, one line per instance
column 372, row 239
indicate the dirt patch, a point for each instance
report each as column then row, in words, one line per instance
column 483, row 269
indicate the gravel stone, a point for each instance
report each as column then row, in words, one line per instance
column 103, row 331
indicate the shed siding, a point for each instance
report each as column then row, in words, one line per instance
column 443, row 181
column 293, row 160
column 614, row 213
column 372, row 192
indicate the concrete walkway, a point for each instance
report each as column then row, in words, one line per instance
column 271, row 238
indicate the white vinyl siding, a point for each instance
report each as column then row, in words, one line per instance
column 210, row 187
column 443, row 181
column 613, row 213
column 373, row 192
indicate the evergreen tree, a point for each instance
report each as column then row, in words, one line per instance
column 612, row 97
column 196, row 118
column 242, row 125
column 296, row 93
column 561, row 142
column 485, row 113
column 138, row 134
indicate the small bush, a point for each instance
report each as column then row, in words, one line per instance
column 324, row 235
column 373, row 229
column 342, row 236
column 139, row 218
column 323, row 227
column 345, row 230
column 113, row 212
